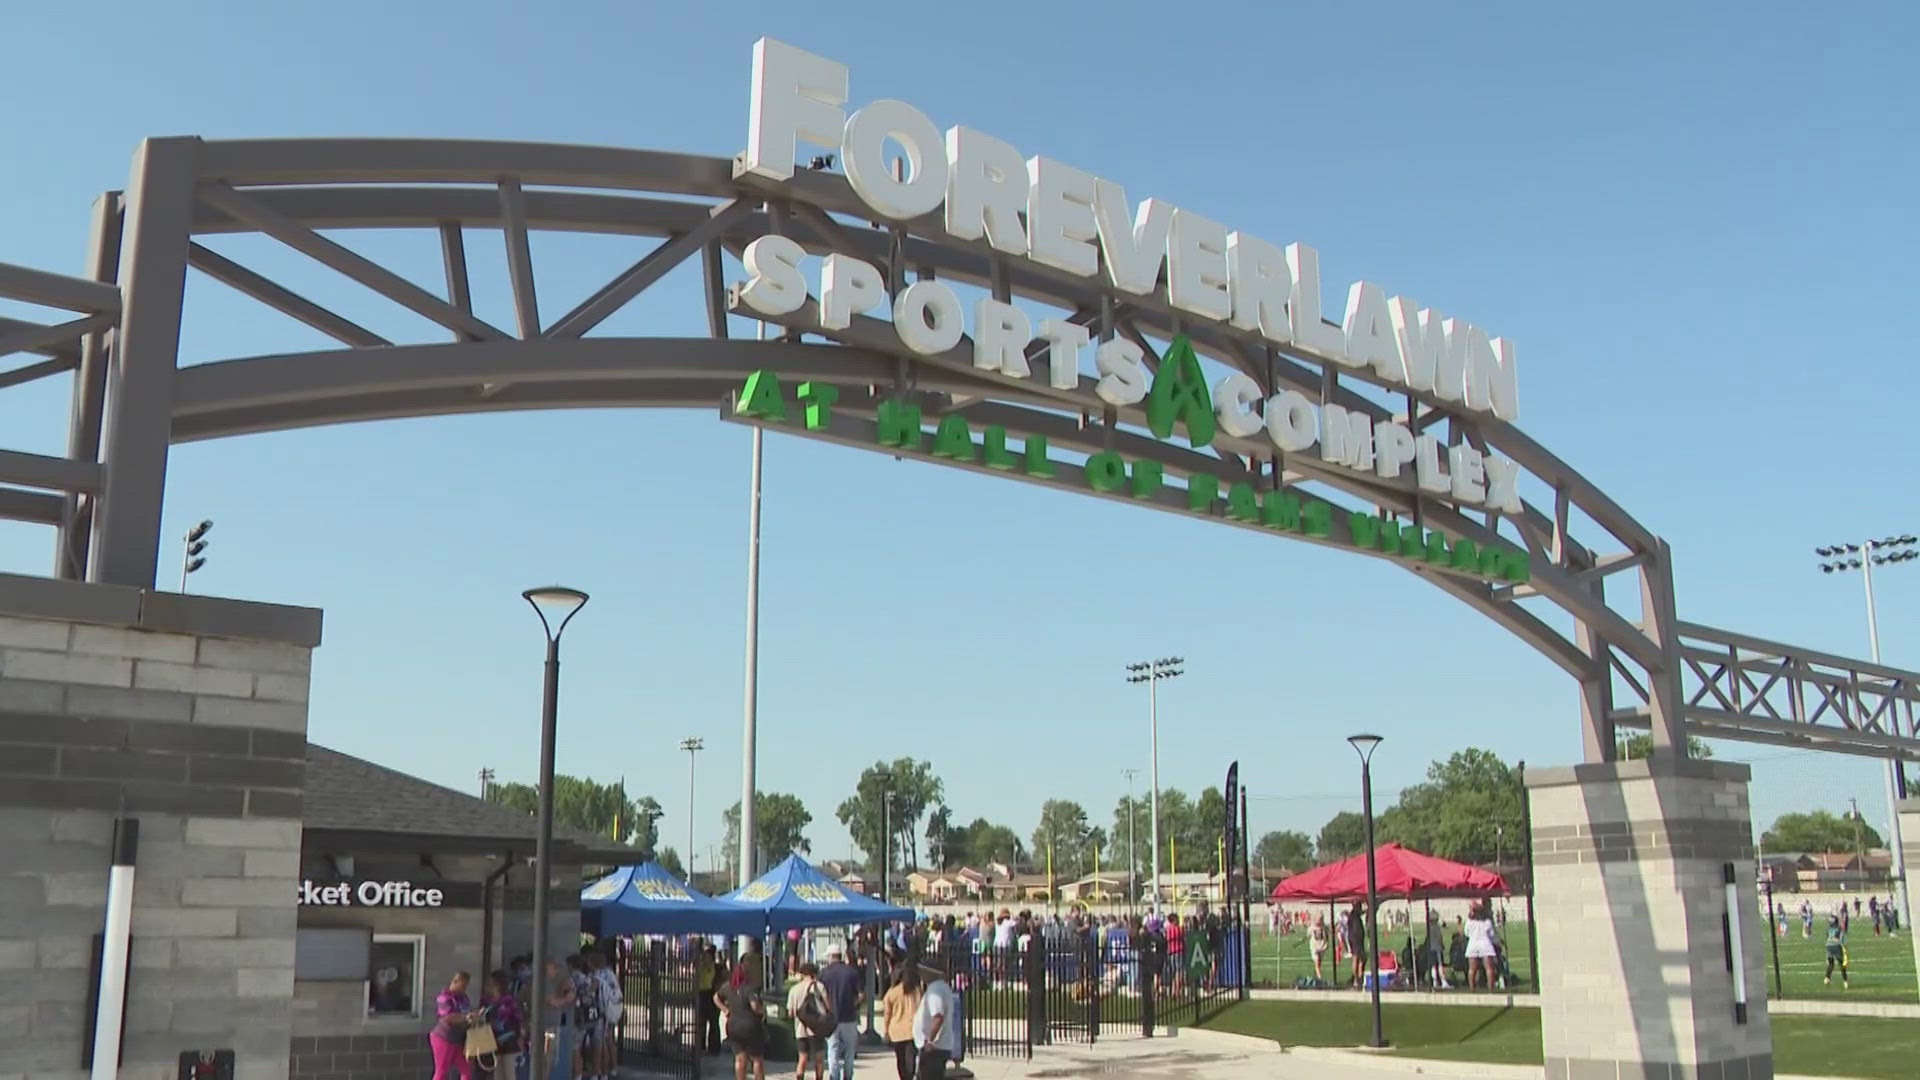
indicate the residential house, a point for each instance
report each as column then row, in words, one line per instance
column 1843, row 872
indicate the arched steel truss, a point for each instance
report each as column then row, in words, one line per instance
column 131, row 399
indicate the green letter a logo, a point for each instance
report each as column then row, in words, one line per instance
column 1180, row 393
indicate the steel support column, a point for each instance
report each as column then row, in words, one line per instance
column 89, row 395
column 139, row 397
column 1665, row 706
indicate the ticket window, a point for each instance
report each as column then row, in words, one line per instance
column 394, row 975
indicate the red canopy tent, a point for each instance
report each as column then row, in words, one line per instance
column 1402, row 873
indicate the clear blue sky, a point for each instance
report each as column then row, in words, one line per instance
column 1696, row 222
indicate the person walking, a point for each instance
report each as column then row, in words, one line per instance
column 454, row 1011
column 847, row 991
column 1481, row 950
column 746, row 1024
column 1806, row 919
column 813, row 1020
column 935, row 1038
column 898, row 1009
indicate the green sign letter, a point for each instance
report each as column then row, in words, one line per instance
column 760, row 396
column 1180, row 393
column 996, row 446
column 1106, row 471
column 953, row 439
column 899, row 424
column 818, row 398
column 1148, row 476
column 1202, row 490
column 1241, row 503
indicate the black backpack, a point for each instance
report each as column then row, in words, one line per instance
column 814, row 1015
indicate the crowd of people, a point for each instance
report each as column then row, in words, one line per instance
column 1473, row 955
column 1885, row 916
column 488, row 1041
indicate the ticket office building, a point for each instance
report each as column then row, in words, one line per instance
column 402, row 883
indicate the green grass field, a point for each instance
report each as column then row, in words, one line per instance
column 1881, row 967
column 1279, row 959
column 1866, row 1047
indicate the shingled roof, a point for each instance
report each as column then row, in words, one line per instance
column 346, row 794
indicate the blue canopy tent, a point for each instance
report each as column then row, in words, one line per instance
column 647, row 899
column 794, row 895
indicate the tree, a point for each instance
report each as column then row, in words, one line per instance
column 779, row 827
column 1284, row 850
column 589, row 807
column 1469, row 810
column 983, row 842
column 1344, row 835
column 670, row 860
column 1641, row 746
column 942, row 837
column 890, row 798
column 1819, row 831
column 1201, row 832
column 1064, row 831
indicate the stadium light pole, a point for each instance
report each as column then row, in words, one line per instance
column 692, row 746
column 191, row 546
column 1151, row 672
column 556, row 605
column 1365, row 745
column 1864, row 556
column 1133, row 852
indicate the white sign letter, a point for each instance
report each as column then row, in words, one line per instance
column 1233, row 399
column 1197, row 266
column 847, row 288
column 1060, row 225
column 1259, row 281
column 1392, row 447
column 1346, row 438
column 863, row 154
column 1134, row 246
column 796, row 95
column 1000, row 336
column 1123, row 375
column 928, row 317
column 1064, row 340
column 1292, row 421
column 777, row 286
column 986, row 190
column 1369, row 331
column 1309, row 332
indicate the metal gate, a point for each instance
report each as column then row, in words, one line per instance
column 660, row 1030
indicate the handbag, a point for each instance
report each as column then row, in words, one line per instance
column 480, row 1040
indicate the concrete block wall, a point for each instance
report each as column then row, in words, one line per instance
column 156, row 715
column 1630, row 898
column 1909, row 811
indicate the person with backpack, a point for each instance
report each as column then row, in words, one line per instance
column 813, row 1020
column 898, row 1009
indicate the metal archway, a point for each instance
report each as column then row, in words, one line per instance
column 132, row 400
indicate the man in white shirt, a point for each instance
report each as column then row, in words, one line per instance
column 934, row 1034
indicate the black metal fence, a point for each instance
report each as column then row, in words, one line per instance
column 661, row 1029
column 1068, row 988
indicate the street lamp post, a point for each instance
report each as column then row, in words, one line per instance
column 1364, row 745
column 1864, row 556
column 692, row 746
column 1133, row 853
column 556, row 605
column 1151, row 672
column 191, row 547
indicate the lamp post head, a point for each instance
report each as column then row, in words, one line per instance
column 556, row 605
column 1364, row 745
column 692, row 744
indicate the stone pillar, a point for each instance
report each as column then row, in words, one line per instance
column 190, row 715
column 1629, row 864
column 1909, row 811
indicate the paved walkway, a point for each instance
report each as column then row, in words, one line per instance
column 1202, row 1055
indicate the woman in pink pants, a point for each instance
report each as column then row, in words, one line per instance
column 449, row 1034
